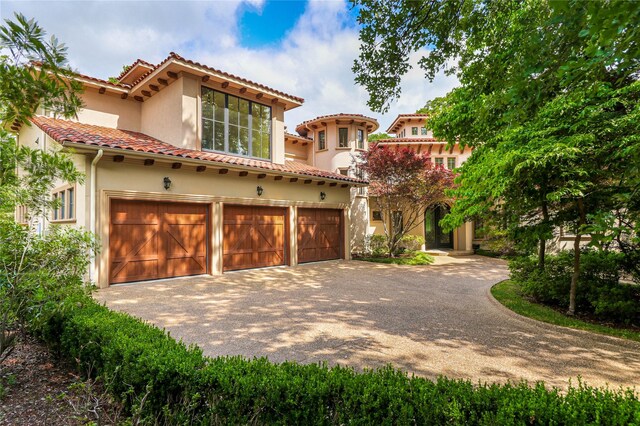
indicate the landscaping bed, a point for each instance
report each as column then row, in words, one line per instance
column 416, row 258
column 509, row 293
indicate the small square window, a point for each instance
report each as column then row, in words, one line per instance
column 439, row 161
column 344, row 172
column 414, row 131
column 423, row 131
column 65, row 209
column 377, row 215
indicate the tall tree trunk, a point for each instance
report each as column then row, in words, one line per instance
column 543, row 241
column 576, row 259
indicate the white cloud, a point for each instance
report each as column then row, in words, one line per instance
column 313, row 62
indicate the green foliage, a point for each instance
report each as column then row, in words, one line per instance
column 34, row 73
column 600, row 294
column 376, row 244
column 411, row 258
column 168, row 382
column 510, row 294
column 377, row 136
column 411, row 243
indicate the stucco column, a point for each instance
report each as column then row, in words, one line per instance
column 216, row 238
column 293, row 236
column 469, row 235
column 346, row 217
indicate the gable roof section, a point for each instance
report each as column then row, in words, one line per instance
column 65, row 131
column 393, row 128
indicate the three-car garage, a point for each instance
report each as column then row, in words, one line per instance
column 155, row 239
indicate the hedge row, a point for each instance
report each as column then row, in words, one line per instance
column 170, row 383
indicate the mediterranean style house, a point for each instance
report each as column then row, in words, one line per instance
column 189, row 170
column 410, row 131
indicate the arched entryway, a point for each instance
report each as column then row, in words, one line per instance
column 435, row 237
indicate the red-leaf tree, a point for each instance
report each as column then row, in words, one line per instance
column 403, row 185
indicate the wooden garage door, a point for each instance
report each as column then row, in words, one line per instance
column 149, row 240
column 319, row 234
column 253, row 237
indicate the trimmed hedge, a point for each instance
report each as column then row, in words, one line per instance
column 170, row 383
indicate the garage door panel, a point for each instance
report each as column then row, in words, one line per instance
column 319, row 234
column 253, row 237
column 150, row 240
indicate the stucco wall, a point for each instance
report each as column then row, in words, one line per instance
column 334, row 158
column 162, row 116
column 110, row 111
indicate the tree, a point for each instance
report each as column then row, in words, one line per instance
column 34, row 73
column 377, row 136
column 403, row 185
column 36, row 270
column 547, row 99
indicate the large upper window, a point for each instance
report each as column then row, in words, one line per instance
column 343, row 137
column 235, row 125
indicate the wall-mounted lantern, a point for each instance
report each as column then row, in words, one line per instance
column 259, row 190
column 323, row 196
column 167, row 183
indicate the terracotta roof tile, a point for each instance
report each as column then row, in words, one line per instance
column 403, row 140
column 175, row 56
column 92, row 135
column 300, row 128
column 130, row 67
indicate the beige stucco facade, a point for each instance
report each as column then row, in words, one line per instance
column 167, row 107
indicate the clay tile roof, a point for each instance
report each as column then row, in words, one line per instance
column 130, row 67
column 300, row 127
column 401, row 116
column 101, row 81
column 91, row 135
column 293, row 135
column 404, row 140
column 177, row 57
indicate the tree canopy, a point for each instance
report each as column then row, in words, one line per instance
column 548, row 99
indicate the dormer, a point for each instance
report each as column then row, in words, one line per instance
column 134, row 71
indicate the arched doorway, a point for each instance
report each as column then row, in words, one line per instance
column 435, row 237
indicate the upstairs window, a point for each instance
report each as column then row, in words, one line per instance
column 414, row 131
column 235, row 125
column 423, row 131
column 360, row 139
column 322, row 140
column 439, row 161
column 343, row 137
column 451, row 163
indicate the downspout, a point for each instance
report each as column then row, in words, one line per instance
column 92, row 209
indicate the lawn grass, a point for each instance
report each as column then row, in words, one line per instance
column 417, row 258
column 508, row 293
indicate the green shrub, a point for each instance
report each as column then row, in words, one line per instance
column 411, row 242
column 166, row 382
column 599, row 292
column 376, row 245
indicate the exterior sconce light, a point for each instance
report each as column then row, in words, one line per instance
column 167, row 183
column 259, row 190
column 323, row 196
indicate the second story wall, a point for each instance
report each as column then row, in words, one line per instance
column 109, row 111
column 171, row 115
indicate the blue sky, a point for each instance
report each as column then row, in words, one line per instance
column 303, row 48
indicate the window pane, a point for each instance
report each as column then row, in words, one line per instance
column 451, row 163
column 423, row 131
column 343, row 137
column 322, row 139
column 71, row 201
column 234, row 141
column 207, row 134
column 244, row 113
column 439, row 161
column 62, row 206
column 266, row 143
column 207, row 103
column 233, row 110
column 256, row 113
column 360, row 139
column 266, row 119
column 244, row 141
column 55, row 212
column 219, row 136
column 219, row 106
column 414, row 131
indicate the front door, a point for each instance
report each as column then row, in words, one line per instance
column 435, row 237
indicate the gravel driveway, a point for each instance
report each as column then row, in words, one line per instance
column 429, row 320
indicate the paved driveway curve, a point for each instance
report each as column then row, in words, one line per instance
column 432, row 320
